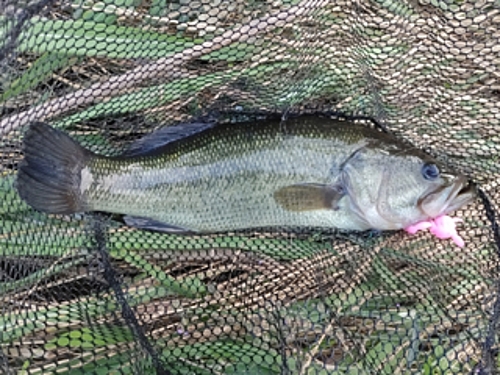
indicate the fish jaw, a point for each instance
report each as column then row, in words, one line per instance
column 450, row 198
column 447, row 199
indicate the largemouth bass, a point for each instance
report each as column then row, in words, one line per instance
column 304, row 172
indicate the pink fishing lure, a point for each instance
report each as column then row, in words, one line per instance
column 443, row 227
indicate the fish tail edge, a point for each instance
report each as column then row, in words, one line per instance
column 49, row 177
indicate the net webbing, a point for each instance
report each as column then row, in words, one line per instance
column 85, row 294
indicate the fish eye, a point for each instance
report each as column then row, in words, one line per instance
column 430, row 171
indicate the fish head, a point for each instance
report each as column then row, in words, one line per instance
column 392, row 190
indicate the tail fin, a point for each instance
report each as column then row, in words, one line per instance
column 49, row 176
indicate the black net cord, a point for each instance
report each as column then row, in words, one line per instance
column 487, row 365
column 126, row 311
column 4, row 366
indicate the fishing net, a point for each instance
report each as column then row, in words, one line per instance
column 86, row 294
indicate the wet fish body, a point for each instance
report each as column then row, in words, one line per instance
column 304, row 172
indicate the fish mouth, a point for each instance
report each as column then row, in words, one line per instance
column 449, row 197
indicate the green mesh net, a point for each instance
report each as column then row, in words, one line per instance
column 86, row 294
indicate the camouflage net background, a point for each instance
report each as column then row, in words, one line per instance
column 85, row 294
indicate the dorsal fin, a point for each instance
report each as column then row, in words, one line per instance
column 151, row 143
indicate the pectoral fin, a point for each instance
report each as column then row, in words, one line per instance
column 154, row 225
column 308, row 197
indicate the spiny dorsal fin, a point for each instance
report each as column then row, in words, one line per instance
column 152, row 143
column 309, row 196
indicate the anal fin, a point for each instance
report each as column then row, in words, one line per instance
column 154, row 225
